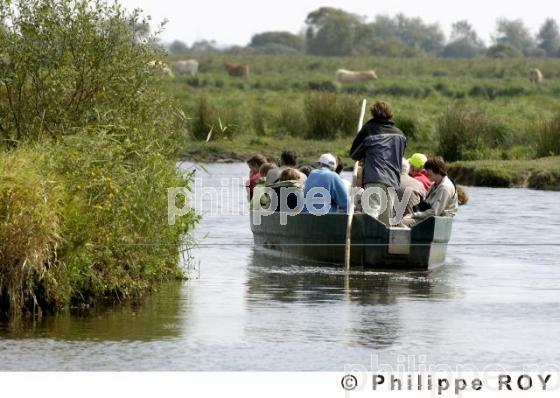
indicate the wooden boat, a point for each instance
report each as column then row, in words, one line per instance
column 322, row 239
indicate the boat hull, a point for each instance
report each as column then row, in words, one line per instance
column 322, row 239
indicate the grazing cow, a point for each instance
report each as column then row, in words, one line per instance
column 535, row 76
column 187, row 67
column 161, row 68
column 238, row 70
column 350, row 76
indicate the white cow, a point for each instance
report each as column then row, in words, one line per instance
column 187, row 67
column 349, row 76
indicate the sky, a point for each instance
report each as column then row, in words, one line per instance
column 231, row 22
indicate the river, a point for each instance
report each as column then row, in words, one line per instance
column 495, row 302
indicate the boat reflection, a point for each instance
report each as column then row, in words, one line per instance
column 366, row 306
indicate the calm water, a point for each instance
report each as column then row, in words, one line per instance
column 496, row 301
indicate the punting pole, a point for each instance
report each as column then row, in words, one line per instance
column 351, row 204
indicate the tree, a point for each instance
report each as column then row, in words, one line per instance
column 385, row 27
column 464, row 41
column 285, row 39
column 331, row 31
column 548, row 38
column 514, row 34
column 178, row 47
column 415, row 33
column 204, row 46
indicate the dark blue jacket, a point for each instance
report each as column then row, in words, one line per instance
column 380, row 144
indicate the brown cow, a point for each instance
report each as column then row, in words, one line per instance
column 535, row 76
column 238, row 70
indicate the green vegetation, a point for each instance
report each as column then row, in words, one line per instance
column 462, row 109
column 88, row 151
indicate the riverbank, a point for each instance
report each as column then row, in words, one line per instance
column 541, row 174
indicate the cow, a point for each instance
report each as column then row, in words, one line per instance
column 350, row 76
column 238, row 70
column 187, row 67
column 161, row 68
column 535, row 76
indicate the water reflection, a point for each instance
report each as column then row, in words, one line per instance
column 364, row 305
column 159, row 316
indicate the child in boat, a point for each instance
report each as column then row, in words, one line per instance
column 254, row 164
column 260, row 199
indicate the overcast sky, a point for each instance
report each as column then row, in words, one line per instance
column 235, row 21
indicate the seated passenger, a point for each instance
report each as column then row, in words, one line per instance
column 260, row 199
column 417, row 171
column 306, row 169
column 337, row 196
column 442, row 198
column 288, row 160
column 289, row 178
column 254, row 164
column 415, row 193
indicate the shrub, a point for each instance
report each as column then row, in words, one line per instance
column 291, row 120
column 329, row 115
column 408, row 125
column 83, row 187
column 30, row 218
column 260, row 118
column 204, row 119
column 223, row 123
column 548, row 137
column 326, row 85
column 461, row 130
column 71, row 64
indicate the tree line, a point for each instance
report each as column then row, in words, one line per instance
column 335, row 32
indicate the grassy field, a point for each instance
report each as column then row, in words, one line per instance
column 464, row 110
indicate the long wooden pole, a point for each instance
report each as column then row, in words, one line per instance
column 351, row 204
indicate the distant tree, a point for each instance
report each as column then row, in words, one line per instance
column 285, row 39
column 514, row 34
column 204, row 46
column 178, row 47
column 385, row 27
column 415, row 33
column 503, row 51
column 464, row 41
column 548, row 38
column 331, row 31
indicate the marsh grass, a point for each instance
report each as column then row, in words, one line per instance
column 548, row 137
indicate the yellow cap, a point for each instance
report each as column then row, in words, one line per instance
column 418, row 160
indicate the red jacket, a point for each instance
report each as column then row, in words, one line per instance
column 422, row 176
column 251, row 183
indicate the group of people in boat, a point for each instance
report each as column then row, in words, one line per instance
column 395, row 190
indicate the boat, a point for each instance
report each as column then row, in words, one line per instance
column 322, row 239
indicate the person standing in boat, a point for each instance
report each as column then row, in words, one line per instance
column 442, row 198
column 417, row 162
column 380, row 144
column 325, row 179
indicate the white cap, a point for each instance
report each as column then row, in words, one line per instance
column 328, row 160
